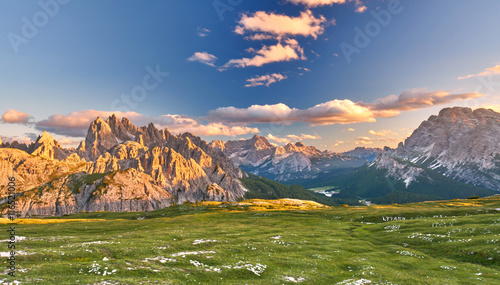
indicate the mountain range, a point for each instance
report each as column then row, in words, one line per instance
column 121, row 167
column 289, row 163
column 118, row 167
column 454, row 154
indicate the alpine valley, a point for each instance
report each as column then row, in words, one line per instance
column 121, row 167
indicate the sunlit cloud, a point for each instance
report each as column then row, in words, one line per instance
column 338, row 111
column 202, row 32
column 266, row 80
column 16, row 117
column 204, row 58
column 360, row 8
column 277, row 25
column 382, row 133
column 180, row 124
column 276, row 139
column 363, row 141
column 77, row 123
column 291, row 50
column 487, row 72
column 25, row 140
column 303, row 137
column 67, row 141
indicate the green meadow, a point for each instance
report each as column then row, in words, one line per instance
column 265, row 242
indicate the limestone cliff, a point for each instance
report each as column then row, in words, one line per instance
column 139, row 168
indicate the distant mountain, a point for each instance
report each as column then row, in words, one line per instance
column 289, row 163
column 392, row 180
column 459, row 143
column 455, row 154
column 118, row 167
column 364, row 152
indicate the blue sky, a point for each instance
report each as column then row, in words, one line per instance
column 81, row 59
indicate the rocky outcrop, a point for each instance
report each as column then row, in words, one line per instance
column 128, row 190
column 46, row 146
column 31, row 171
column 99, row 139
column 397, row 170
column 159, row 167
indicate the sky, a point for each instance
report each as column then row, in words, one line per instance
column 336, row 74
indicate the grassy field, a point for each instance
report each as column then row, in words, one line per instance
column 266, row 242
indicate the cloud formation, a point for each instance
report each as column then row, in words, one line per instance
column 202, row 32
column 204, row 58
column 291, row 138
column 77, row 123
column 276, row 139
column 267, row 80
column 303, row 137
column 487, row 72
column 382, row 133
column 281, row 25
column 16, row 117
column 413, row 99
column 360, row 8
column 338, row 111
column 291, row 50
column 180, row 124
column 363, row 140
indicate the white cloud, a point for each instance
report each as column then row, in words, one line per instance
column 67, row 141
column 269, row 54
column 303, row 137
column 487, row 72
column 337, row 143
column 16, row 117
column 180, row 124
column 202, row 32
column 338, row 111
column 413, row 99
column 281, row 25
column 267, row 80
column 382, row 133
column 277, row 139
column 76, row 123
column 363, row 140
column 360, row 8
column 316, row 3
column 204, row 58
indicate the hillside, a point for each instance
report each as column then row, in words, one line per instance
column 263, row 188
column 266, row 242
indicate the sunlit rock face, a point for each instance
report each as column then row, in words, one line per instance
column 119, row 167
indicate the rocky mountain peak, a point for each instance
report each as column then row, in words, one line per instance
column 129, row 126
column 218, row 145
column 119, row 130
column 460, row 143
column 99, row 139
column 46, row 146
column 259, row 142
